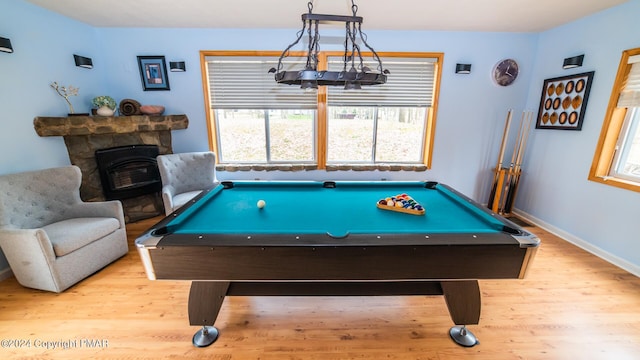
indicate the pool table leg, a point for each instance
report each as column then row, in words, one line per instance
column 463, row 301
column 205, row 301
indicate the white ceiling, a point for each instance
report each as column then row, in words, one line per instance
column 446, row 15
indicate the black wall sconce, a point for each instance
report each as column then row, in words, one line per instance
column 83, row 62
column 177, row 66
column 463, row 68
column 5, row 45
column 573, row 62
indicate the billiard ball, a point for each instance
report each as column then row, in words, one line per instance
column 261, row 204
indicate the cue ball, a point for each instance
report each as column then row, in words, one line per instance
column 261, row 204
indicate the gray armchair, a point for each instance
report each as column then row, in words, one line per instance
column 50, row 237
column 184, row 176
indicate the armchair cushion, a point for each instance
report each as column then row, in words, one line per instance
column 70, row 235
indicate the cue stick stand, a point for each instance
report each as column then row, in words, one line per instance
column 507, row 179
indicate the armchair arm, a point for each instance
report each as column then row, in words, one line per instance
column 168, row 192
column 31, row 257
column 111, row 208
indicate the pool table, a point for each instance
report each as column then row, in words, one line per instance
column 331, row 238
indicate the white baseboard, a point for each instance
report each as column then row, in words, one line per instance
column 5, row 274
column 585, row 245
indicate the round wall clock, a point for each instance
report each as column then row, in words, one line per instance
column 505, row 72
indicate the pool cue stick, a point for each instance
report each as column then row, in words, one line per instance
column 509, row 171
column 518, row 169
column 513, row 186
column 525, row 136
column 498, row 169
column 495, row 206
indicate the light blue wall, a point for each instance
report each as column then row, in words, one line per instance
column 43, row 44
column 554, row 188
column 469, row 122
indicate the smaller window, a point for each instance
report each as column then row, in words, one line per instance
column 362, row 134
column 617, row 158
column 257, row 120
column 266, row 136
column 384, row 123
column 627, row 159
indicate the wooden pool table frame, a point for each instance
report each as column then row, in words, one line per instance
column 439, row 264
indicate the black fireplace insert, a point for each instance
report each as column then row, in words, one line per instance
column 129, row 171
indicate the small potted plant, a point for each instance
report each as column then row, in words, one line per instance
column 106, row 105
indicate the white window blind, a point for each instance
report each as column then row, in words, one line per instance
column 244, row 82
column 630, row 95
column 410, row 84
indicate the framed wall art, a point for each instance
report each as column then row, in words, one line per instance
column 564, row 102
column 153, row 73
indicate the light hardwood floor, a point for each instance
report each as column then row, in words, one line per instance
column 572, row 305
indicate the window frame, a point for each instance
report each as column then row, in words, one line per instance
column 321, row 128
column 612, row 129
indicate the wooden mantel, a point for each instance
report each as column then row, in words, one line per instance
column 94, row 125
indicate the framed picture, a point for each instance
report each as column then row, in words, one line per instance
column 564, row 102
column 153, row 73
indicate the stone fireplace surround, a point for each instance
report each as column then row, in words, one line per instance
column 83, row 135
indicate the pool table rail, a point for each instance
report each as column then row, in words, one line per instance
column 332, row 263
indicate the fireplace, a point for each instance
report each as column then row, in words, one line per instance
column 84, row 135
column 128, row 171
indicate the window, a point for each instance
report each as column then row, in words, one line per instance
column 617, row 158
column 381, row 124
column 265, row 135
column 361, row 134
column 255, row 122
column 258, row 121
column 626, row 162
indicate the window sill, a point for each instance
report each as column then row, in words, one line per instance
column 332, row 167
column 266, row 167
column 617, row 182
column 379, row 167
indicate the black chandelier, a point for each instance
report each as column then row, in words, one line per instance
column 354, row 73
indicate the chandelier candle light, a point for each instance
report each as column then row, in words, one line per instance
column 354, row 73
